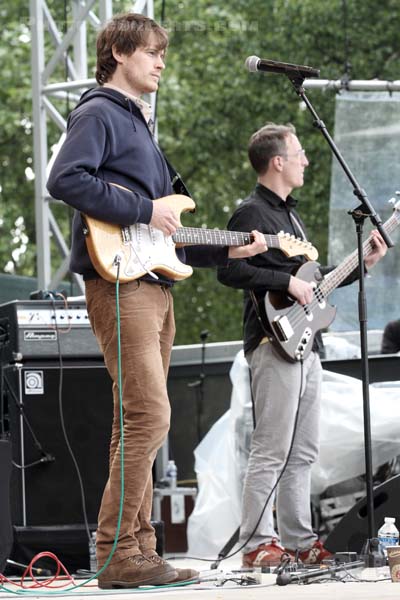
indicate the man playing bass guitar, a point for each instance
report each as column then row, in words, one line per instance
column 286, row 393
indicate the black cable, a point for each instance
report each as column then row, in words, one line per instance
column 68, row 110
column 20, row 407
column 221, row 558
column 4, row 341
column 253, row 405
column 61, row 413
column 282, row 471
column 234, row 538
column 198, row 385
column 2, row 402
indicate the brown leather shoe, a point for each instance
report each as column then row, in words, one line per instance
column 134, row 571
column 183, row 574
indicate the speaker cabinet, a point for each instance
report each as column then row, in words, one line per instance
column 49, row 409
column 351, row 532
column 6, row 535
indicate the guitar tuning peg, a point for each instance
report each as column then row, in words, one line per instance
column 394, row 200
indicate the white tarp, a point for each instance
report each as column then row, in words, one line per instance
column 367, row 133
column 220, row 459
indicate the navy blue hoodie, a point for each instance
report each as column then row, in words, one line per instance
column 108, row 142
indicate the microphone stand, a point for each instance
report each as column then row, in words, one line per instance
column 318, row 573
column 359, row 214
column 198, row 385
column 46, row 457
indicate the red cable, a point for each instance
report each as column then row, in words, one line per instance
column 47, row 583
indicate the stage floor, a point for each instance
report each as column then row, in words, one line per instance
column 323, row 589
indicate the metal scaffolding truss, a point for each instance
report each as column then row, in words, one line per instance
column 69, row 49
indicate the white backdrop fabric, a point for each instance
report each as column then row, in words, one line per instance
column 367, row 133
column 221, row 457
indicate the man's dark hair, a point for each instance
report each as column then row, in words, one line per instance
column 267, row 142
column 125, row 33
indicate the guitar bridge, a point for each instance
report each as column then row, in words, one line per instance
column 283, row 328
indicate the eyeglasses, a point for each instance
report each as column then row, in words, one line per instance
column 300, row 152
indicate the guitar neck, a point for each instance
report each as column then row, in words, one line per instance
column 338, row 275
column 217, row 237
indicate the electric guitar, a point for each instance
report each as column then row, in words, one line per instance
column 141, row 249
column 294, row 326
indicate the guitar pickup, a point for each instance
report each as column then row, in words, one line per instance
column 126, row 235
column 283, row 328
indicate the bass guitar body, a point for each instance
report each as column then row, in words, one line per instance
column 294, row 326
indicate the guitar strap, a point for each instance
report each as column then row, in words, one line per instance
column 298, row 226
column 258, row 315
column 177, row 183
column 176, row 180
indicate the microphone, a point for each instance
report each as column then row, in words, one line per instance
column 254, row 64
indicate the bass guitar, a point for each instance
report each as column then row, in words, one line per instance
column 141, row 249
column 294, row 326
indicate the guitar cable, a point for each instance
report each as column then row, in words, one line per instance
column 270, row 495
column 220, row 557
column 61, row 407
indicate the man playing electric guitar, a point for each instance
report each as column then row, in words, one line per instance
column 111, row 169
column 286, row 394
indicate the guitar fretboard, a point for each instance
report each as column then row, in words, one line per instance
column 338, row 275
column 217, row 237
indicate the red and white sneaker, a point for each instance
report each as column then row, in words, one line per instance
column 312, row 556
column 266, row 555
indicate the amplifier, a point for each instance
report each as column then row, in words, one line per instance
column 41, row 329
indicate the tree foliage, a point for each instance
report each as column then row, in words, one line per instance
column 208, row 106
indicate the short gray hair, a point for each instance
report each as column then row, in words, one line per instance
column 267, row 142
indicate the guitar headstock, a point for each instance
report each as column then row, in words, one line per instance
column 395, row 202
column 292, row 246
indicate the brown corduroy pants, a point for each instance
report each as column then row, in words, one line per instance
column 147, row 334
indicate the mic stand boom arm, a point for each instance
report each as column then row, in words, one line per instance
column 366, row 207
column 359, row 214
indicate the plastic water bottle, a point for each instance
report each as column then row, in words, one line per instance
column 388, row 534
column 171, row 473
column 92, row 553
